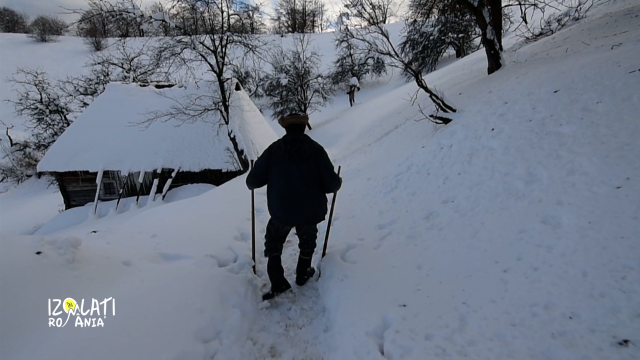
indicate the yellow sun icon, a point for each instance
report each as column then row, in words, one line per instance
column 70, row 305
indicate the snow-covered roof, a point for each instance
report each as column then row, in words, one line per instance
column 253, row 132
column 105, row 136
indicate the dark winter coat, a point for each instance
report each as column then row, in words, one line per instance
column 298, row 175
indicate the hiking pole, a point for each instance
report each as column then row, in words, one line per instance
column 333, row 204
column 253, row 228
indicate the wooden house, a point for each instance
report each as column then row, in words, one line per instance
column 109, row 154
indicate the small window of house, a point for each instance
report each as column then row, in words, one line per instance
column 109, row 188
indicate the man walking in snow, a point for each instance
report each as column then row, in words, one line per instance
column 298, row 175
column 354, row 86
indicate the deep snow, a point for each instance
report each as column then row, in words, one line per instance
column 511, row 233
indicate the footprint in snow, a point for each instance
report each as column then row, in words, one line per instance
column 169, row 258
column 552, row 221
column 344, row 254
column 386, row 225
column 225, row 259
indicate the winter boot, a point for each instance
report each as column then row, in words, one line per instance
column 304, row 271
column 279, row 283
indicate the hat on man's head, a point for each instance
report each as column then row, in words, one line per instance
column 293, row 119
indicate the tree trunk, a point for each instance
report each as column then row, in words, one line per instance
column 491, row 29
column 494, row 59
column 495, row 8
column 242, row 158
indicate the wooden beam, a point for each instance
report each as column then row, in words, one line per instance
column 154, row 187
column 168, row 184
column 99, row 183
column 140, row 180
column 124, row 184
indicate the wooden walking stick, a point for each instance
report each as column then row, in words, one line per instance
column 253, row 228
column 333, row 203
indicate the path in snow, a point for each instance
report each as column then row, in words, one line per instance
column 288, row 327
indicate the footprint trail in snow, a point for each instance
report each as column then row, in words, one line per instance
column 291, row 325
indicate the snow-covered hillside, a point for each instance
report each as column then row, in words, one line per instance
column 511, row 233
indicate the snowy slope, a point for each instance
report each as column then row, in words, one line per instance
column 511, row 233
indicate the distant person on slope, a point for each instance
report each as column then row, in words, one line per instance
column 354, row 86
column 298, row 175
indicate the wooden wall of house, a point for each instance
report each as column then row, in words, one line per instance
column 78, row 188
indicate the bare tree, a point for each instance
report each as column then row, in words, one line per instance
column 47, row 112
column 116, row 18
column 563, row 14
column 296, row 84
column 489, row 16
column 128, row 20
column 354, row 59
column 301, row 16
column 93, row 32
column 96, row 16
column 20, row 157
column 432, row 28
column 214, row 47
column 12, row 21
column 124, row 63
column 251, row 75
column 83, row 89
column 187, row 17
column 250, row 20
column 287, row 16
column 46, row 28
column 127, row 63
column 49, row 107
column 159, row 10
column 370, row 33
column 278, row 24
column 319, row 16
column 371, row 12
